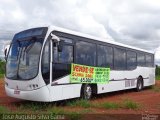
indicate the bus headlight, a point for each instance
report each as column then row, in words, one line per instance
column 33, row 86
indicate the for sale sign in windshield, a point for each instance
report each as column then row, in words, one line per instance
column 89, row 74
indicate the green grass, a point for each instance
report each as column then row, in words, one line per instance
column 49, row 109
column 81, row 103
column 70, row 115
column 110, row 105
column 74, row 116
column 85, row 111
column 56, row 111
column 86, row 107
column 34, row 106
column 129, row 104
column 3, row 109
column 77, row 115
column 155, row 88
column 157, row 77
column 126, row 104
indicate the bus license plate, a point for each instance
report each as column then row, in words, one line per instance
column 17, row 92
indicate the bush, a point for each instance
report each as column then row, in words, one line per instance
column 2, row 66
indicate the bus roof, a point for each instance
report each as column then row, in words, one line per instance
column 107, row 40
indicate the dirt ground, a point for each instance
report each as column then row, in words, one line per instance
column 148, row 98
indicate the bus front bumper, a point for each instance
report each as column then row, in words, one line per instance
column 41, row 94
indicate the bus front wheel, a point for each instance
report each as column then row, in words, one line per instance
column 139, row 84
column 86, row 91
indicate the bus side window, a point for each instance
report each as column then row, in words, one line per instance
column 62, row 65
column 131, row 60
column 149, row 60
column 119, row 59
column 86, row 53
column 140, row 59
column 105, row 56
column 66, row 56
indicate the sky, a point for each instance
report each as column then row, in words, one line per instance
column 132, row 22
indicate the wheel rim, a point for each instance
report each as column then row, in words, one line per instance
column 140, row 85
column 88, row 92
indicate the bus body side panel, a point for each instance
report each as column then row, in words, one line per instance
column 63, row 89
column 119, row 77
column 150, row 80
column 121, row 80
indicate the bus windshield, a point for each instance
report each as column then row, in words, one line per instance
column 23, row 59
column 24, row 54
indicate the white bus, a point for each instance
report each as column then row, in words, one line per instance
column 39, row 65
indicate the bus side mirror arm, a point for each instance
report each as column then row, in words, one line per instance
column 5, row 54
column 54, row 38
column 60, row 46
column 57, row 41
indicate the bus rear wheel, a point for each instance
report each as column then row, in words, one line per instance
column 86, row 92
column 139, row 84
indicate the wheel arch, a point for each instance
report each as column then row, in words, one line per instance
column 93, row 86
column 140, row 77
column 140, row 84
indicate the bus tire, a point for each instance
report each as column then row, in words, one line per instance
column 139, row 84
column 86, row 91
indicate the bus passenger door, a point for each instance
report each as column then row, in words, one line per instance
column 55, row 90
column 60, row 67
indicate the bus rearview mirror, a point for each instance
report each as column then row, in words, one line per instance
column 60, row 46
column 5, row 53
